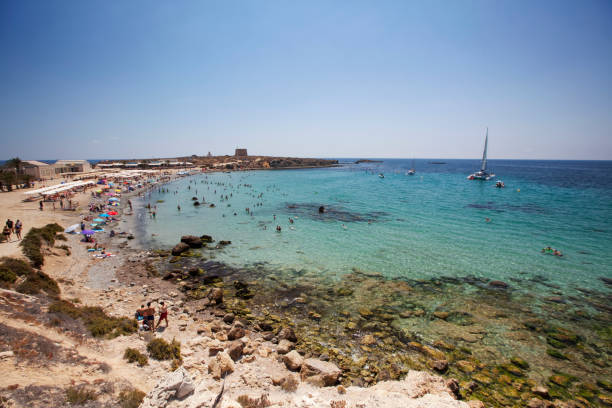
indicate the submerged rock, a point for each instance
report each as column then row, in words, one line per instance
column 215, row 295
column 498, row 284
column 180, row 248
column 192, row 241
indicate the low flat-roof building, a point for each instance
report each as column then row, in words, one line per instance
column 71, row 166
column 38, row 170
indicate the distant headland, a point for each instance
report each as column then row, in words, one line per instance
column 239, row 161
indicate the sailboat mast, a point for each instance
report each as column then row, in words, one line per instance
column 483, row 166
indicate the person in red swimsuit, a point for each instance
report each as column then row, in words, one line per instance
column 163, row 314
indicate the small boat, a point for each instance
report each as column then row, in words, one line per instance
column 381, row 175
column 482, row 173
column 412, row 170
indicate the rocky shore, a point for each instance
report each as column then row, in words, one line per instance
column 506, row 347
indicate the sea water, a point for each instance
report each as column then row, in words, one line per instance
column 434, row 223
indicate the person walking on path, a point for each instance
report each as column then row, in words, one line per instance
column 18, row 228
column 41, row 205
column 9, row 224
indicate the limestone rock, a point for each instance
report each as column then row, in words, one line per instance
column 287, row 333
column 236, row 333
column 284, row 346
column 293, row 360
column 221, row 365
column 235, row 349
column 176, row 385
column 325, row 372
column 229, row 318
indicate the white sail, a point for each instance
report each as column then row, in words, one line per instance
column 483, row 166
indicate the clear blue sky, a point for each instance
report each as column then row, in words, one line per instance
column 115, row 78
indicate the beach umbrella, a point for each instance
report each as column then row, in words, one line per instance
column 88, row 232
column 104, row 215
column 112, row 213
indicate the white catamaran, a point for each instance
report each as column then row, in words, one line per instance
column 482, row 173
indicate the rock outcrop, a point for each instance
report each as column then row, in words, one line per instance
column 175, row 386
column 319, row 372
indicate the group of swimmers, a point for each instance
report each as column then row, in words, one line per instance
column 551, row 251
column 146, row 316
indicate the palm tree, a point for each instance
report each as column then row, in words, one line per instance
column 14, row 163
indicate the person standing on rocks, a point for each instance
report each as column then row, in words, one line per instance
column 163, row 314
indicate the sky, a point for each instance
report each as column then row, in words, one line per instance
column 141, row 79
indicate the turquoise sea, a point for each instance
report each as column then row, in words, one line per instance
column 399, row 272
column 427, row 225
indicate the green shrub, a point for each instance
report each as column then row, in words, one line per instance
column 39, row 281
column 135, row 356
column 131, row 398
column 80, row 395
column 160, row 349
column 33, row 240
column 35, row 282
column 95, row 319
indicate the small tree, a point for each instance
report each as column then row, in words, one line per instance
column 14, row 163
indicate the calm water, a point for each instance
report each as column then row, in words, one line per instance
column 423, row 226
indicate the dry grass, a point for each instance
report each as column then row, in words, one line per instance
column 160, row 349
column 131, row 398
column 95, row 319
column 290, row 384
column 80, row 395
column 134, row 356
column 247, row 402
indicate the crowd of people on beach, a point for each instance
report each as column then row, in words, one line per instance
column 12, row 228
